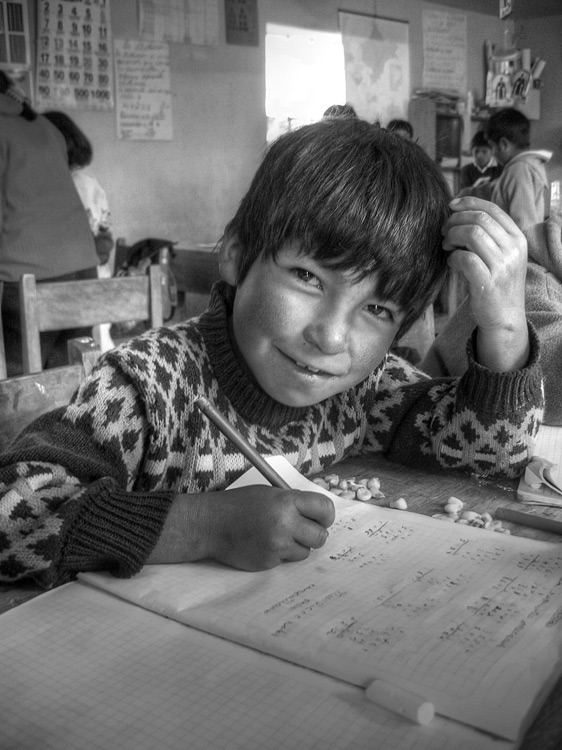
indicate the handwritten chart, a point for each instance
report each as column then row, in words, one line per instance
column 74, row 55
column 144, row 100
column 426, row 605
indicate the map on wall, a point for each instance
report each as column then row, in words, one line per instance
column 377, row 66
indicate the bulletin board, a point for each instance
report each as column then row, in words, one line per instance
column 74, row 55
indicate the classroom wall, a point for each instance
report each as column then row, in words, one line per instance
column 188, row 188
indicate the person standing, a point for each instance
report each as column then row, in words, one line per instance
column 44, row 229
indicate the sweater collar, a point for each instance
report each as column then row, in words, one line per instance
column 233, row 375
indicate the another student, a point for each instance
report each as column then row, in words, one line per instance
column 346, row 111
column 484, row 168
column 402, row 128
column 521, row 188
column 543, row 301
column 340, row 243
column 43, row 227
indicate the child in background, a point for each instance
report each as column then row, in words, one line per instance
column 80, row 154
column 484, row 168
column 521, row 188
column 340, row 243
column 402, row 128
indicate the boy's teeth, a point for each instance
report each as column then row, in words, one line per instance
column 306, row 367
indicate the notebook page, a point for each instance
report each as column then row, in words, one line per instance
column 88, row 670
column 462, row 616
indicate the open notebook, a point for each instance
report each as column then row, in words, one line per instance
column 542, row 482
column 466, row 618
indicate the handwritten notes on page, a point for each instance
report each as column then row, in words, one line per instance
column 467, row 618
column 88, row 670
column 144, row 98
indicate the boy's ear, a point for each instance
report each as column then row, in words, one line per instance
column 230, row 252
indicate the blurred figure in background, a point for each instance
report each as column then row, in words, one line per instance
column 402, row 128
column 93, row 197
column 340, row 110
column 44, row 229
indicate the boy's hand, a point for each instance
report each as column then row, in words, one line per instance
column 490, row 251
column 250, row 528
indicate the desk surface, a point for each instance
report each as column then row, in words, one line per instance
column 425, row 493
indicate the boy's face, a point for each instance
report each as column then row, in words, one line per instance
column 503, row 150
column 305, row 331
column 481, row 155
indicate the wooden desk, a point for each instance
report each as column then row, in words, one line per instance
column 426, row 493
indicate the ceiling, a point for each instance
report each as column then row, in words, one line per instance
column 521, row 8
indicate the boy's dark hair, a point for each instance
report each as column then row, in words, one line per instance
column 340, row 110
column 509, row 123
column 78, row 147
column 356, row 198
column 479, row 140
column 401, row 125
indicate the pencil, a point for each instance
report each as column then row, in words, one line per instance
column 528, row 519
column 242, row 444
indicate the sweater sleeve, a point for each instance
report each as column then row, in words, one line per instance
column 483, row 421
column 72, row 495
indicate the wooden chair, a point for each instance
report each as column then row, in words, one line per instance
column 195, row 272
column 26, row 397
column 54, row 306
column 3, row 369
column 421, row 335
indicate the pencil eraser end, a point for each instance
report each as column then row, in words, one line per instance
column 402, row 702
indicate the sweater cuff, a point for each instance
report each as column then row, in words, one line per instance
column 110, row 529
column 503, row 395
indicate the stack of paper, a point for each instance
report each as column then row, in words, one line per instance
column 542, row 482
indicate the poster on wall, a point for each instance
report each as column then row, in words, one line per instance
column 444, row 51
column 180, row 21
column 377, row 66
column 74, row 55
column 143, row 90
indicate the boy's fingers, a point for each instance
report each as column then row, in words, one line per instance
column 472, row 267
column 311, row 535
column 476, row 210
column 317, row 507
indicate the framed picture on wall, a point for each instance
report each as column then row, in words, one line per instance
column 241, row 20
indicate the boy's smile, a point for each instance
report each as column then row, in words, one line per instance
column 307, row 332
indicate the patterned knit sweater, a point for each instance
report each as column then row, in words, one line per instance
column 88, row 487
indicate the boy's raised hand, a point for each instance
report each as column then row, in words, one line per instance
column 490, row 251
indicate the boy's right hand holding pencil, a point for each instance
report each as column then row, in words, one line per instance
column 249, row 528
column 490, row 251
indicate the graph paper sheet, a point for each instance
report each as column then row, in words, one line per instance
column 83, row 669
column 468, row 619
column 549, row 447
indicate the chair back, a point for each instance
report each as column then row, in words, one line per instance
column 3, row 368
column 26, row 397
column 421, row 335
column 195, row 271
column 55, row 306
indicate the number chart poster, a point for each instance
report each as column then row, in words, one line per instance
column 74, row 55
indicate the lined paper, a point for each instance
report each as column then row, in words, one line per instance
column 83, row 669
column 468, row 619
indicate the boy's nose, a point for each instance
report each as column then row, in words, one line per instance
column 328, row 333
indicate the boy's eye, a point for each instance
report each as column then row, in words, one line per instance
column 378, row 311
column 307, row 276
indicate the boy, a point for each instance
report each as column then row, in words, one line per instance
column 484, row 168
column 335, row 250
column 520, row 189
